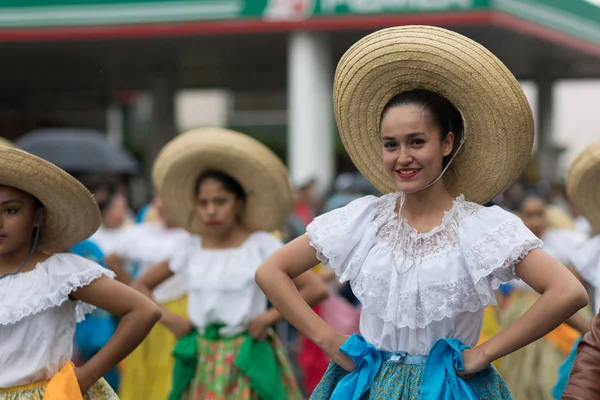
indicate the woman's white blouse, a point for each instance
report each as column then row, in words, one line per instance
column 108, row 239
column 149, row 244
column 221, row 281
column 37, row 318
column 447, row 276
column 586, row 259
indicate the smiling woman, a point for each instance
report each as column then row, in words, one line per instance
column 435, row 121
column 419, row 129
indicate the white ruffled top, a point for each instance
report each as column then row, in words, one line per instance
column 586, row 259
column 221, row 281
column 149, row 244
column 448, row 275
column 37, row 318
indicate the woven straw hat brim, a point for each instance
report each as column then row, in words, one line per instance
column 499, row 129
column 6, row 142
column 583, row 184
column 260, row 172
column 71, row 212
column 559, row 219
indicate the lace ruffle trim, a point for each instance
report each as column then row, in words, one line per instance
column 56, row 298
column 437, row 302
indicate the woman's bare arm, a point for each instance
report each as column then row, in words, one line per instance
column 137, row 314
column 562, row 295
column 275, row 276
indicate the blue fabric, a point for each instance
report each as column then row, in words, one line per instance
column 96, row 330
column 367, row 360
column 440, row 381
column 564, row 372
column 402, row 357
column 141, row 215
column 505, row 289
column 93, row 332
column 89, row 250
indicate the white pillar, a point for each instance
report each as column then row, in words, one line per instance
column 310, row 109
column 114, row 124
column 545, row 131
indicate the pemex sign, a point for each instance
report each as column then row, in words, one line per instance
column 390, row 6
column 284, row 9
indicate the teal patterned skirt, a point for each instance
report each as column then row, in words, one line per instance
column 397, row 381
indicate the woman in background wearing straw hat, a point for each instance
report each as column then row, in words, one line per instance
column 583, row 189
column 232, row 190
column 42, row 296
column 414, row 104
column 531, row 372
column 147, row 244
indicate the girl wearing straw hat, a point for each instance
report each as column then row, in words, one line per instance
column 42, row 296
column 583, row 189
column 531, row 372
column 232, row 190
column 440, row 124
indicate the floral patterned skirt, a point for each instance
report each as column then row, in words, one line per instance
column 396, row 381
column 217, row 377
column 100, row 391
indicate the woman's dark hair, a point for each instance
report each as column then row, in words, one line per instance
column 105, row 195
column 442, row 113
column 531, row 195
column 229, row 183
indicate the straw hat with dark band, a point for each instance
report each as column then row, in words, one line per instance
column 497, row 118
column 262, row 175
column 71, row 213
column 583, row 184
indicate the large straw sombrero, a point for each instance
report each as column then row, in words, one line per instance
column 558, row 218
column 71, row 213
column 262, row 175
column 498, row 121
column 583, row 184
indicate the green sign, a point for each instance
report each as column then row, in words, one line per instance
column 40, row 13
column 307, row 8
column 578, row 18
column 19, row 13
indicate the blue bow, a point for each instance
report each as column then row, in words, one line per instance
column 367, row 360
column 440, row 381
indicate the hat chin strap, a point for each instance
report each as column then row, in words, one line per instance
column 460, row 145
column 35, row 242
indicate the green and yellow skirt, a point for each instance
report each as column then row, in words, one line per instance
column 227, row 368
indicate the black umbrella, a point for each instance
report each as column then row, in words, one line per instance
column 78, row 151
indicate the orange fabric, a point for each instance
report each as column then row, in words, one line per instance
column 563, row 338
column 64, row 385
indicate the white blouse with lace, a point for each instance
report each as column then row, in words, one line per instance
column 149, row 244
column 37, row 318
column 446, row 276
column 221, row 281
column 586, row 259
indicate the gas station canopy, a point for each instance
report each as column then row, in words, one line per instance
column 108, row 45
